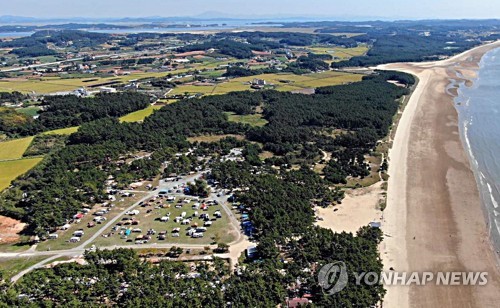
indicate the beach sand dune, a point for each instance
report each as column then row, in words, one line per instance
column 434, row 220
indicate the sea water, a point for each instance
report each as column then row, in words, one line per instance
column 479, row 116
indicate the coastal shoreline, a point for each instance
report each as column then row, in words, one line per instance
column 434, row 218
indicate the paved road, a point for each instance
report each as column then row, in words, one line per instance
column 79, row 250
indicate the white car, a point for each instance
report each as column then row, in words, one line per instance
column 133, row 212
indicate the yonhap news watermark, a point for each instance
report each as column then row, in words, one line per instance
column 334, row 277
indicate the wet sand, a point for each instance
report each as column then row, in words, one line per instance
column 434, row 219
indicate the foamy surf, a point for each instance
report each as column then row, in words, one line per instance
column 480, row 131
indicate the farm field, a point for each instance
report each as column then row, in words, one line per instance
column 57, row 84
column 281, row 82
column 11, row 163
column 341, row 54
column 140, row 115
column 135, row 116
column 62, row 131
column 330, row 81
column 205, row 89
column 14, row 149
column 219, row 230
column 45, row 85
column 10, row 170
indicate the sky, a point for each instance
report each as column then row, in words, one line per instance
column 388, row 9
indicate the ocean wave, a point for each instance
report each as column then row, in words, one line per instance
column 480, row 134
column 482, row 178
column 469, row 147
column 493, row 200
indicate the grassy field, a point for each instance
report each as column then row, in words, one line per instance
column 10, row 267
column 64, row 235
column 250, row 119
column 21, row 246
column 47, row 59
column 30, row 111
column 10, row 170
column 266, row 154
column 14, row 149
column 375, row 162
column 62, row 131
column 140, row 115
column 219, row 228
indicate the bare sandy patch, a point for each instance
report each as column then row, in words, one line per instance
column 10, row 229
column 359, row 207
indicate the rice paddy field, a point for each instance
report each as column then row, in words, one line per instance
column 10, row 170
column 62, row 131
column 14, row 149
column 140, row 115
column 339, row 53
column 12, row 164
column 57, row 84
column 281, row 82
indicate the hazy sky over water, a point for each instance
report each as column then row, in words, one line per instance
column 392, row 9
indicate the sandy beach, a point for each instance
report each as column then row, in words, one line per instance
column 359, row 207
column 434, row 219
